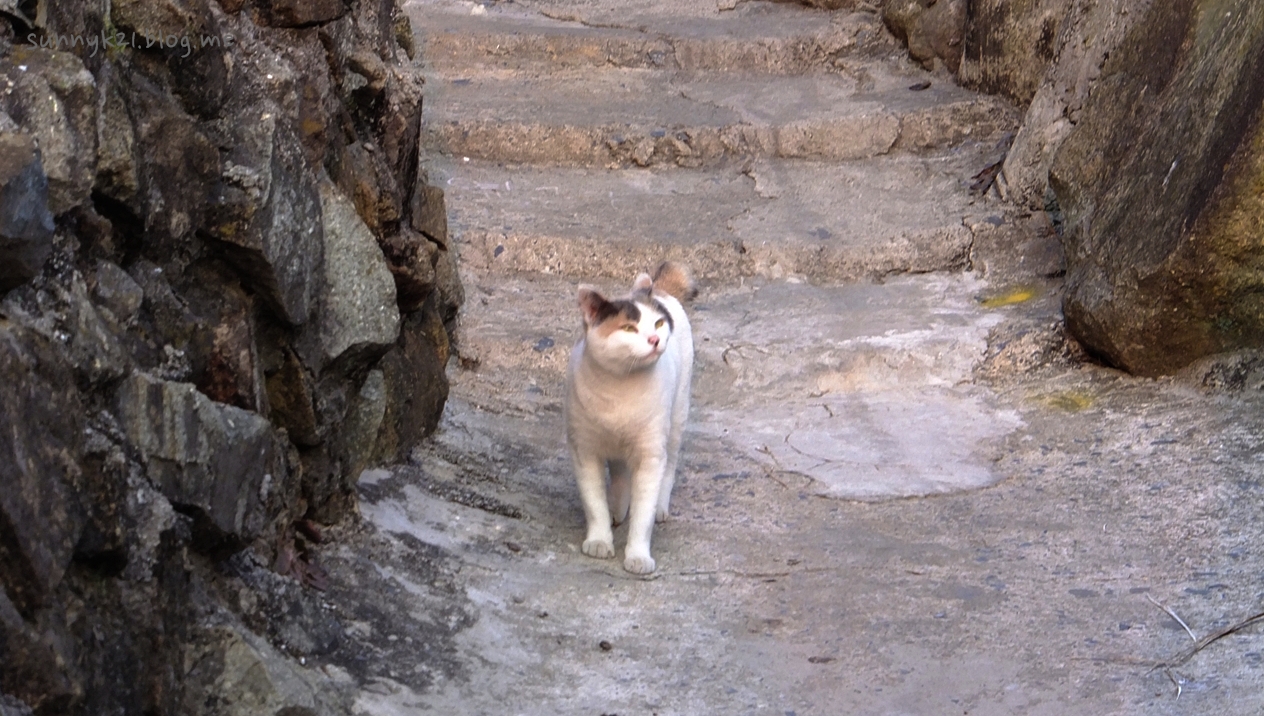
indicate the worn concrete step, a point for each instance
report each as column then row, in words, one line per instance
column 627, row 117
column 456, row 37
column 864, row 387
column 814, row 221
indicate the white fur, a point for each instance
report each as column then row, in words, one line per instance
column 625, row 411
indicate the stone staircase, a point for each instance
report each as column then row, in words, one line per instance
column 777, row 151
column 868, row 329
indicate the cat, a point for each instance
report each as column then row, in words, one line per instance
column 627, row 397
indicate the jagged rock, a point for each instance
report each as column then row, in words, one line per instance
column 31, row 669
column 411, row 258
column 1087, row 32
column 356, row 440
column 180, row 165
column 362, row 174
column 117, row 177
column 216, row 461
column 290, row 391
column 41, row 418
column 267, row 209
column 166, row 326
column 430, row 213
column 301, row 13
column 236, row 673
column 226, row 357
column 26, row 225
column 117, row 292
column 1159, row 182
column 360, row 318
column 158, row 18
column 66, row 127
column 448, row 284
column 414, row 383
column 63, row 314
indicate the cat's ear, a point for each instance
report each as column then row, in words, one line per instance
column 643, row 282
column 592, row 304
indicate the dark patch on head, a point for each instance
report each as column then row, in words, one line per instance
column 622, row 307
column 658, row 306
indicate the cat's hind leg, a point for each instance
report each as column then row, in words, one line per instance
column 680, row 412
column 591, row 479
column 620, row 494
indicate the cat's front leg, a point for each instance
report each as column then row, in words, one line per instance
column 646, row 480
column 590, row 476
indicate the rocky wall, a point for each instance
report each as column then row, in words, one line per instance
column 1143, row 133
column 223, row 293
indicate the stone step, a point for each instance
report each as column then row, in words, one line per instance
column 809, row 221
column 641, row 117
column 864, row 387
column 757, row 37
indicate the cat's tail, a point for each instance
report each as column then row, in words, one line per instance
column 673, row 278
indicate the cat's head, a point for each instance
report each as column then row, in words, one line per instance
column 625, row 334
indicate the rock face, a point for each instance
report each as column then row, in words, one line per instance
column 1161, row 182
column 1144, row 127
column 223, row 291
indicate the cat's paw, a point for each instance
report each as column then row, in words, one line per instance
column 599, row 548
column 639, row 564
column 661, row 514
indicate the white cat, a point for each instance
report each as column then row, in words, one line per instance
column 627, row 397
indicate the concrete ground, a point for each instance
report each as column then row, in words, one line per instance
column 903, row 491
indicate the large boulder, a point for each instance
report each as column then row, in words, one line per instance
column 1161, row 184
column 1012, row 52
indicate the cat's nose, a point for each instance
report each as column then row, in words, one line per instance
column 653, row 341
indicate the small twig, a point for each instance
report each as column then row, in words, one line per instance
column 1172, row 614
column 1172, row 677
column 1206, row 641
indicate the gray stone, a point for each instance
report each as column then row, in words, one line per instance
column 117, row 175
column 429, row 213
column 216, row 460
column 415, row 383
column 359, row 319
column 117, row 291
column 180, row 165
column 248, row 677
column 65, row 127
column 40, row 417
column 1159, row 183
column 157, row 19
column 359, row 431
column 26, row 225
column 267, row 210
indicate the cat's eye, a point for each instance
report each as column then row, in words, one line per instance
column 630, row 328
column 660, row 323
